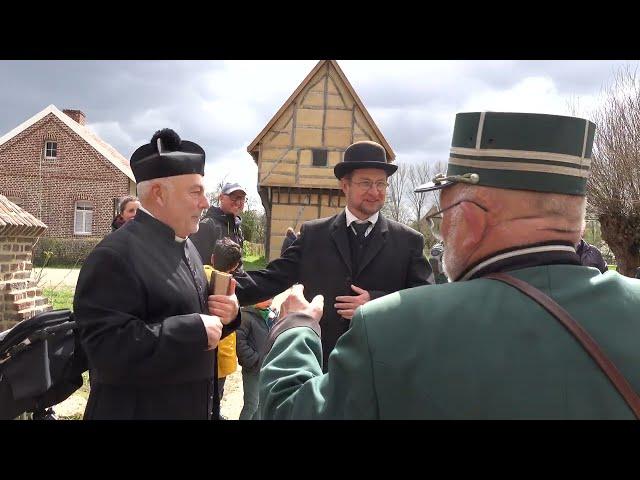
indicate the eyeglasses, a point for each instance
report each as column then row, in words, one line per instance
column 435, row 219
column 367, row 184
column 237, row 199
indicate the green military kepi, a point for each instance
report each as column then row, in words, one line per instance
column 521, row 151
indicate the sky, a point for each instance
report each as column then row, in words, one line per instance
column 223, row 105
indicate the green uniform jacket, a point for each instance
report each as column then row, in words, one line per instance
column 475, row 349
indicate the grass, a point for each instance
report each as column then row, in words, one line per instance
column 61, row 297
column 254, row 262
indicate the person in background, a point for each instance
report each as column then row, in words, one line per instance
column 252, row 334
column 435, row 260
column 590, row 256
column 289, row 238
column 220, row 222
column 127, row 210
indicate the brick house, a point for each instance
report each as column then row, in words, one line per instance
column 57, row 169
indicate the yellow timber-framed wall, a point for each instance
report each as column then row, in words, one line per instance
column 323, row 114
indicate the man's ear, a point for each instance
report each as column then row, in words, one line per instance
column 158, row 194
column 343, row 184
column 475, row 220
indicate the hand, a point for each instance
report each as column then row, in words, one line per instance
column 213, row 327
column 296, row 303
column 225, row 306
column 346, row 305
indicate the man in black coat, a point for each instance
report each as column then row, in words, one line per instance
column 350, row 258
column 289, row 238
column 220, row 222
column 590, row 256
column 147, row 324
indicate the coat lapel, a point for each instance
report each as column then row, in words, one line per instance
column 339, row 235
column 378, row 239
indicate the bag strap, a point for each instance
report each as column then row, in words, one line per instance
column 589, row 344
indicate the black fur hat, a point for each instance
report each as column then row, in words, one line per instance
column 167, row 155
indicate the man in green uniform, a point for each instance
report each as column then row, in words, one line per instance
column 513, row 201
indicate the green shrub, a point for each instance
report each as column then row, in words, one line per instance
column 254, row 262
column 62, row 252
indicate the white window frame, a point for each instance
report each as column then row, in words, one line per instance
column 54, row 149
column 83, row 213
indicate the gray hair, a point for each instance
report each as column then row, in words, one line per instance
column 144, row 188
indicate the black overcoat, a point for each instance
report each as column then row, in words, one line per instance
column 138, row 307
column 320, row 259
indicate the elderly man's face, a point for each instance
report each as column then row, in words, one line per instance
column 185, row 203
column 233, row 203
column 366, row 191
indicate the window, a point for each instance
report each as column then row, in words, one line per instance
column 319, row 158
column 83, row 218
column 51, row 150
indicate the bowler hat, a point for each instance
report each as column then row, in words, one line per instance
column 364, row 154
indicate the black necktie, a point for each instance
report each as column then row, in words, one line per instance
column 360, row 229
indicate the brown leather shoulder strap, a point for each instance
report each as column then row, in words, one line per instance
column 589, row 344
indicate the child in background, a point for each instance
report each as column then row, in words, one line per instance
column 252, row 334
column 225, row 258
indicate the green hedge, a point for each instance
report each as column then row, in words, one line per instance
column 65, row 252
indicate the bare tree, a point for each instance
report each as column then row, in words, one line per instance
column 419, row 202
column 613, row 191
column 214, row 197
column 394, row 206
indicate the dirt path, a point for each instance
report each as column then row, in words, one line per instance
column 232, row 402
column 52, row 277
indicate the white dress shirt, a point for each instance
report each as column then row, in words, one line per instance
column 352, row 218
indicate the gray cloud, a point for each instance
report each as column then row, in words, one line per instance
column 224, row 105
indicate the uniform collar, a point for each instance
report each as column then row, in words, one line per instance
column 533, row 255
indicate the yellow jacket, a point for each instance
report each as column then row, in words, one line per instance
column 227, row 359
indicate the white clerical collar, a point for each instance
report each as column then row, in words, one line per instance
column 352, row 218
column 177, row 238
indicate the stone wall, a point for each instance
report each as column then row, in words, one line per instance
column 20, row 298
